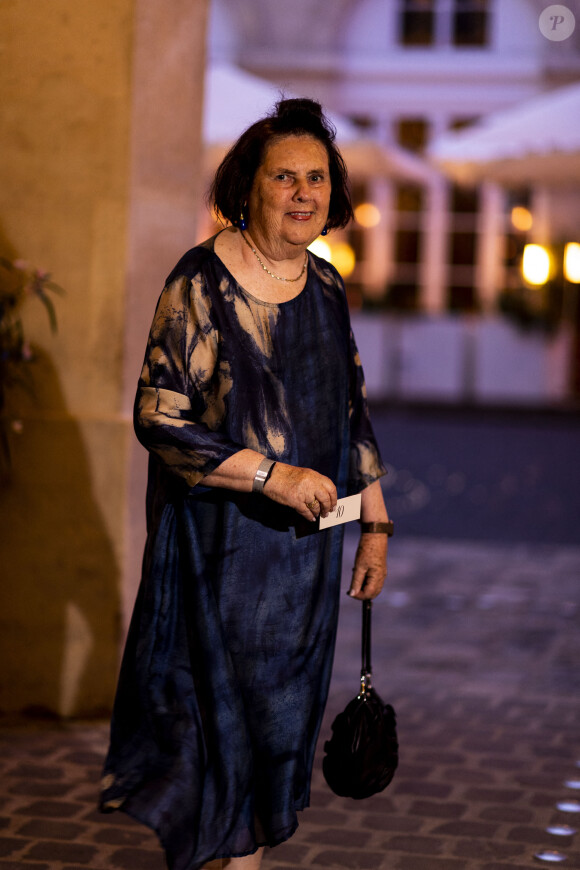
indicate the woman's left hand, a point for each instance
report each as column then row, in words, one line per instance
column 370, row 566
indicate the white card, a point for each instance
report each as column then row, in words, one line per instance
column 346, row 509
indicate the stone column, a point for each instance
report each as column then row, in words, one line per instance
column 434, row 266
column 491, row 233
column 164, row 202
column 100, row 142
column 379, row 239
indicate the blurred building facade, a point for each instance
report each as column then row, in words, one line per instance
column 406, row 71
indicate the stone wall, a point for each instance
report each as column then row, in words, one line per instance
column 100, row 134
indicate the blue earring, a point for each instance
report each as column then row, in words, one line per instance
column 324, row 231
column 243, row 224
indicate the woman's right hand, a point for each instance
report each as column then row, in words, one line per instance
column 310, row 494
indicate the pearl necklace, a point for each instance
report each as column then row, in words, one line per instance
column 265, row 268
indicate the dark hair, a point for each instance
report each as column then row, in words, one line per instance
column 235, row 175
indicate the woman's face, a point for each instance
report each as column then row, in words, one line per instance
column 289, row 200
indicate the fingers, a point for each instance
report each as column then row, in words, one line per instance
column 310, row 494
column 370, row 567
column 327, row 498
column 323, row 501
column 318, row 506
column 366, row 583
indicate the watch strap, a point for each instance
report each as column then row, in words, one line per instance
column 262, row 474
column 387, row 528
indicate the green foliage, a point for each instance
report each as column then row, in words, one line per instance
column 19, row 284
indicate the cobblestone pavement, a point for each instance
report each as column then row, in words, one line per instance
column 478, row 648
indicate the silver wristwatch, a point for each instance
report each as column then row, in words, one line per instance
column 262, row 474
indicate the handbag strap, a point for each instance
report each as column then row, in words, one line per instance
column 366, row 669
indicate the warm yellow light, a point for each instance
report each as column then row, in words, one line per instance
column 343, row 258
column 536, row 264
column 521, row 218
column 367, row 215
column 321, row 249
column 572, row 262
column 340, row 254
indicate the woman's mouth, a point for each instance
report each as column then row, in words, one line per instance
column 300, row 215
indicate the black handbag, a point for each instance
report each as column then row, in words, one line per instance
column 362, row 756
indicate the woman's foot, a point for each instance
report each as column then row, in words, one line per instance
column 248, row 862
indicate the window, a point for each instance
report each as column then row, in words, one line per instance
column 462, row 249
column 404, row 287
column 410, row 202
column 417, row 22
column 356, row 237
column 413, row 133
column 470, row 22
column 539, row 306
column 517, row 234
column 440, row 23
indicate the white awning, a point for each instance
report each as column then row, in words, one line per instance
column 235, row 99
column 535, row 142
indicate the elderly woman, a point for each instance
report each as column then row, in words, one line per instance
column 252, row 405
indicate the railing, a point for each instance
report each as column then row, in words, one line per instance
column 482, row 360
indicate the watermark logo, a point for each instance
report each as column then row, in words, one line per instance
column 557, row 23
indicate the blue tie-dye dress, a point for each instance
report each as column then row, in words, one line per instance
column 227, row 664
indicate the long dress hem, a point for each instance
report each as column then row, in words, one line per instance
column 227, row 663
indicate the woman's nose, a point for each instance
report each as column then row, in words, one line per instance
column 302, row 191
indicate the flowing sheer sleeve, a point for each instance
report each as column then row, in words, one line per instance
column 180, row 404
column 365, row 464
